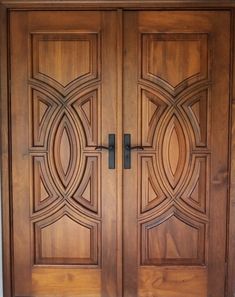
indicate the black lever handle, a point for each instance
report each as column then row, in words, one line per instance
column 137, row 147
column 111, row 149
column 102, row 147
column 127, row 150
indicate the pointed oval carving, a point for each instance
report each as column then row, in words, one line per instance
column 174, row 151
column 66, row 150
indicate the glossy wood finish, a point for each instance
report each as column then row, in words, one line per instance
column 114, row 4
column 64, row 195
column 192, row 278
column 178, row 100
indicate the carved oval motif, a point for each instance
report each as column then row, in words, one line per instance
column 174, row 153
column 66, row 150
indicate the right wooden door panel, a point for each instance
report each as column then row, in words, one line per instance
column 176, row 99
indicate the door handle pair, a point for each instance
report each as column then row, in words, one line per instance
column 126, row 147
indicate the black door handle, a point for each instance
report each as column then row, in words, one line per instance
column 111, row 149
column 127, row 150
column 137, row 147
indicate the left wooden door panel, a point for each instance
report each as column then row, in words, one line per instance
column 63, row 194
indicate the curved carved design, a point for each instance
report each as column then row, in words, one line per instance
column 88, row 192
column 172, row 239
column 196, row 108
column 196, row 193
column 174, row 104
column 43, row 191
column 43, row 110
column 66, row 237
column 65, row 72
column 162, row 52
column 86, row 107
column 153, row 106
column 64, row 129
column 173, row 154
column 151, row 195
column 65, row 149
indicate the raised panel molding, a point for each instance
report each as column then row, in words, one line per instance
column 65, row 150
column 197, row 107
column 86, row 106
column 65, row 61
column 88, row 192
column 151, row 195
column 164, row 52
column 43, row 191
column 173, row 239
column 153, row 107
column 66, row 238
column 64, row 125
column 43, row 108
column 174, row 125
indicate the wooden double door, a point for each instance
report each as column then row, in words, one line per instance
column 157, row 228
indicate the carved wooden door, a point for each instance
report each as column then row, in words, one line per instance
column 64, row 89
column 63, row 93
column 176, row 105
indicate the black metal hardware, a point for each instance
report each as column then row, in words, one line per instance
column 111, row 149
column 127, row 150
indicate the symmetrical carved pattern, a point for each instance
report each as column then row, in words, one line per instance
column 65, row 122
column 174, row 100
column 66, row 149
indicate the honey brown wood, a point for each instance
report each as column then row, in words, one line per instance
column 76, row 73
column 176, row 104
column 63, row 195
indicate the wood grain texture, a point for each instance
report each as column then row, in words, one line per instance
column 176, row 101
column 5, row 157
column 167, row 282
column 66, row 282
column 64, row 200
column 136, row 4
column 178, row 172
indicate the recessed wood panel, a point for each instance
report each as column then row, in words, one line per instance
column 66, row 238
column 198, row 109
column 43, row 109
column 151, row 194
column 43, row 190
column 152, row 106
column 65, row 61
column 174, row 60
column 172, row 239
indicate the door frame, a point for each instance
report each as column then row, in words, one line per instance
column 6, row 6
